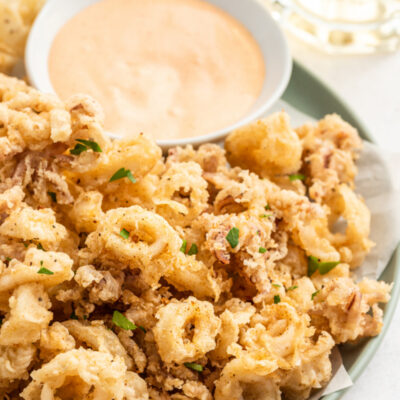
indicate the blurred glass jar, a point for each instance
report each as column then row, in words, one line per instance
column 341, row 26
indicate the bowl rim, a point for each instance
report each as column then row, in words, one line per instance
column 329, row 101
column 214, row 136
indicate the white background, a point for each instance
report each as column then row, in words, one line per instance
column 371, row 86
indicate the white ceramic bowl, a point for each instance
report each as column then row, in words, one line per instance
column 249, row 12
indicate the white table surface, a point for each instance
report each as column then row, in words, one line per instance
column 371, row 86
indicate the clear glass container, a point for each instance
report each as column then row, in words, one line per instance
column 341, row 26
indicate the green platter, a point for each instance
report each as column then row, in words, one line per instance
column 313, row 97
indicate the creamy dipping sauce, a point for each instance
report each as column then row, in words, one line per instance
column 168, row 68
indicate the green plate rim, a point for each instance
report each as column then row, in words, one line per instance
column 304, row 80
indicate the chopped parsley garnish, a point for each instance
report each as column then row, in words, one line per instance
column 277, row 299
column 193, row 366
column 183, row 247
column 78, row 149
column 123, row 173
column 262, row 250
column 25, row 244
column 233, row 237
column 41, row 263
column 85, row 145
column 53, row 196
column 40, row 247
column 267, row 207
column 297, row 177
column 124, row 233
column 276, row 285
column 73, row 315
column 8, row 259
column 91, row 144
column 265, row 215
column 45, row 271
column 323, row 267
column 292, row 287
column 314, row 294
column 193, row 249
column 142, row 329
column 123, row 322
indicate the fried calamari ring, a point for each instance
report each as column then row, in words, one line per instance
column 237, row 314
column 346, row 309
column 314, row 237
column 99, row 338
column 182, row 193
column 248, row 376
column 353, row 209
column 87, row 119
column 330, row 149
column 150, row 236
column 313, row 371
column 19, row 273
column 85, row 374
column 153, row 247
column 55, row 340
column 307, row 222
column 139, row 155
column 186, row 273
column 86, row 211
column 23, row 325
column 185, row 330
column 17, row 18
column 152, row 242
column 39, row 226
column 267, row 147
column 280, row 330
